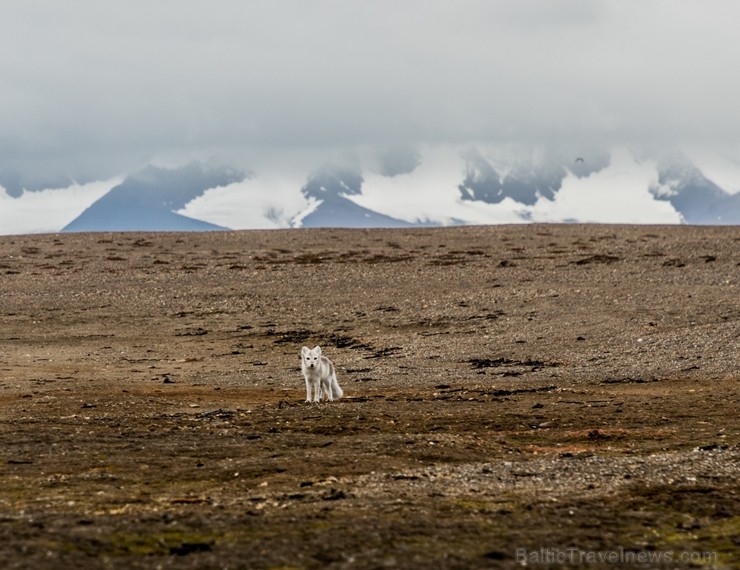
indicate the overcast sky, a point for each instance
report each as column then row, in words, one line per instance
column 92, row 88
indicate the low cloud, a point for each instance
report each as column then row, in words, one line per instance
column 93, row 90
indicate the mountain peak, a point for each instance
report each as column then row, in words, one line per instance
column 327, row 191
column 147, row 200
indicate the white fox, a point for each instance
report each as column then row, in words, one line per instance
column 319, row 373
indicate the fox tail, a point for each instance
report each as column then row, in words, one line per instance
column 336, row 391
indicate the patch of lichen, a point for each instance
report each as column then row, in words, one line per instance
column 713, row 542
column 130, row 543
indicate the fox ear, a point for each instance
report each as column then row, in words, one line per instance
column 305, row 350
column 317, row 350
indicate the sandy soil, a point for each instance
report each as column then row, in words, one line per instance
column 511, row 394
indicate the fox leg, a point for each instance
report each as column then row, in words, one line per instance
column 326, row 389
column 308, row 390
column 316, row 390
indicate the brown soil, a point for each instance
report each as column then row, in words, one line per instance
column 511, row 394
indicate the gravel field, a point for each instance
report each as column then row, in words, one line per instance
column 542, row 396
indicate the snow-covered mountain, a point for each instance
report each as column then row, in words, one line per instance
column 489, row 186
column 404, row 187
column 690, row 192
column 329, row 193
column 526, row 178
column 148, row 200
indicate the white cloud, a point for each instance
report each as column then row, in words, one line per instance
column 619, row 194
column 266, row 201
column 48, row 211
column 95, row 87
column 431, row 193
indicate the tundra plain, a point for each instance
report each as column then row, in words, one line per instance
column 511, row 393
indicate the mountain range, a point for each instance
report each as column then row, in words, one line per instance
column 407, row 187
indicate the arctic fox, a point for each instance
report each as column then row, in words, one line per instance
column 319, row 374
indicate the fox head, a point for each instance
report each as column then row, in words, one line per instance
column 311, row 357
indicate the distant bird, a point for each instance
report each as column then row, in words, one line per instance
column 579, row 159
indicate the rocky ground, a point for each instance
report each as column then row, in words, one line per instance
column 540, row 396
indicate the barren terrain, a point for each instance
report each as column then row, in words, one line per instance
column 511, row 394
